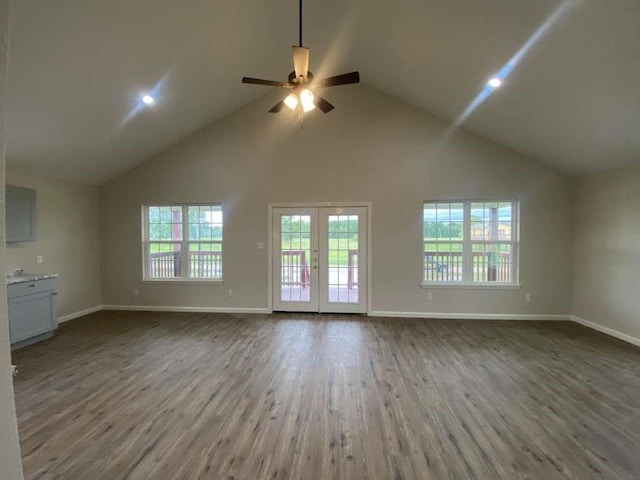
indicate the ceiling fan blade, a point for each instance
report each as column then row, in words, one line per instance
column 300, row 61
column 344, row 79
column 270, row 83
column 277, row 107
column 322, row 104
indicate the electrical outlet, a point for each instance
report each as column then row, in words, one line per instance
column 527, row 297
column 135, row 292
column 39, row 259
column 230, row 292
column 260, row 246
column 429, row 296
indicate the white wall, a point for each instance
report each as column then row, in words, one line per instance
column 607, row 250
column 10, row 464
column 371, row 148
column 67, row 237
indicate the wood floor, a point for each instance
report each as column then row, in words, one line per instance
column 191, row 396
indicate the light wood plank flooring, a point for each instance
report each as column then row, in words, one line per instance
column 130, row 395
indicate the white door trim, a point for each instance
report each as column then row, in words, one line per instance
column 271, row 206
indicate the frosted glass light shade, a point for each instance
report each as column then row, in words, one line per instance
column 306, row 98
column 291, row 101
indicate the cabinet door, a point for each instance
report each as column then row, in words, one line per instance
column 21, row 214
column 31, row 315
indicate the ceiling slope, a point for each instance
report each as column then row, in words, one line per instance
column 78, row 69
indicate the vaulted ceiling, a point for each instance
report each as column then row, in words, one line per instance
column 77, row 70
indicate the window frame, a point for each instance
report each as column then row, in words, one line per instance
column 467, row 243
column 184, row 245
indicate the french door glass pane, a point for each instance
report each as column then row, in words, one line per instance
column 343, row 233
column 295, row 253
column 163, row 260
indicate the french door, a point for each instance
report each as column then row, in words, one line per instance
column 320, row 259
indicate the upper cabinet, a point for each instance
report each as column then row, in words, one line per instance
column 21, row 214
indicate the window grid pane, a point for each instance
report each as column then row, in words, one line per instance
column 205, row 222
column 492, row 262
column 443, row 236
column 165, row 223
column 491, row 221
column 167, row 250
column 490, row 256
column 164, row 260
column 443, row 262
column 205, row 260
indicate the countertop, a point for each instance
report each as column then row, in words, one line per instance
column 29, row 277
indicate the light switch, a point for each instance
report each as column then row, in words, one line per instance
column 260, row 246
column 39, row 259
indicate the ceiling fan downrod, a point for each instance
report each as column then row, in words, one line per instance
column 301, row 94
column 300, row 22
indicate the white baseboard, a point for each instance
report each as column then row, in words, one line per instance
column 81, row 313
column 609, row 331
column 469, row 316
column 155, row 308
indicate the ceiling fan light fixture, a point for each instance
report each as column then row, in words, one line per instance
column 301, row 81
column 306, row 98
column 291, row 101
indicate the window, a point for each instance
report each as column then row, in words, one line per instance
column 470, row 242
column 183, row 242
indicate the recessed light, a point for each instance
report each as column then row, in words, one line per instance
column 148, row 99
column 495, row 82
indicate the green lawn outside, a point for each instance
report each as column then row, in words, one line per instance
column 338, row 250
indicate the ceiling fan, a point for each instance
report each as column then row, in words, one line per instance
column 302, row 83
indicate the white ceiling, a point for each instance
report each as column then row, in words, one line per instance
column 77, row 70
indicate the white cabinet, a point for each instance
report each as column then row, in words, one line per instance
column 32, row 311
